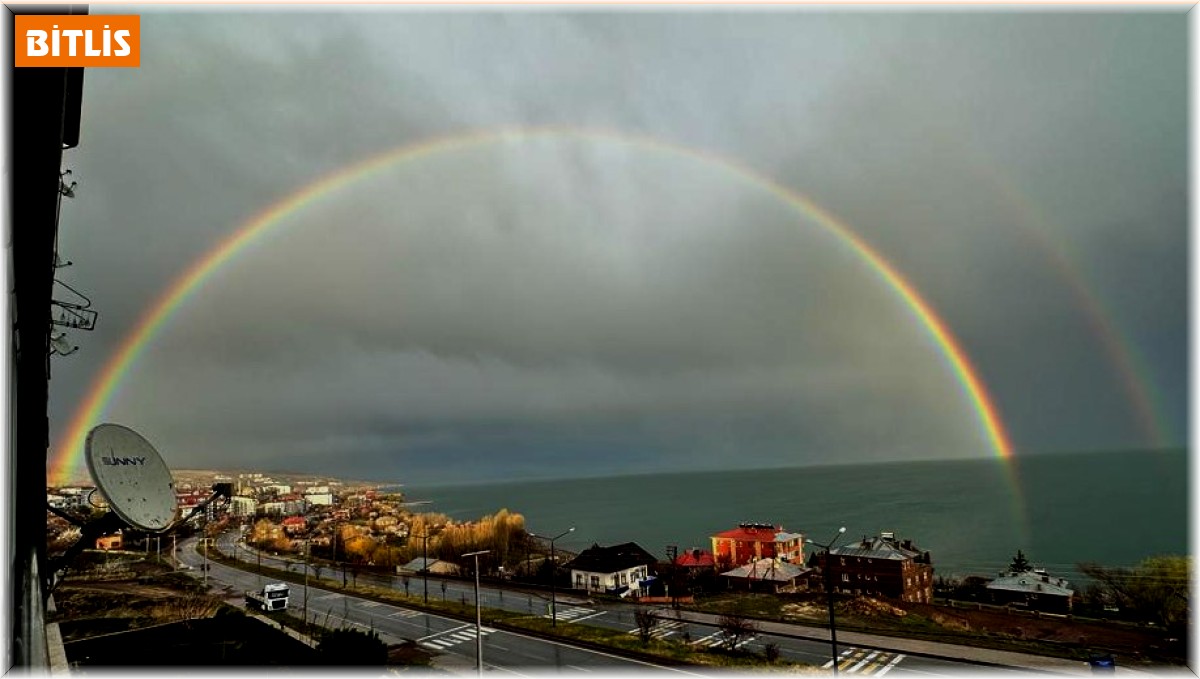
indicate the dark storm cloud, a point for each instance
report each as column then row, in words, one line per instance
column 541, row 299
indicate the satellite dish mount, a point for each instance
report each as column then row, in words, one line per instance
column 137, row 484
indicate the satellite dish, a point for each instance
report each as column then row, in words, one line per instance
column 132, row 476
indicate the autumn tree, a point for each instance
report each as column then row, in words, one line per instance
column 1156, row 590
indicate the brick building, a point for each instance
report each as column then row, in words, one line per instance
column 880, row 566
column 753, row 541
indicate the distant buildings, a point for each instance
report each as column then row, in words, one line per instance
column 752, row 541
column 108, row 542
column 881, row 566
column 620, row 569
column 240, row 505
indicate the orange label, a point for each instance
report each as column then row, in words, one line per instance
column 78, row 40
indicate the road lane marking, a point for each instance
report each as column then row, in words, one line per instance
column 889, row 666
column 588, row 617
column 864, row 661
column 435, row 634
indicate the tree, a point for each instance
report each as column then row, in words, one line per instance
column 1019, row 563
column 645, row 621
column 771, row 652
column 1156, row 590
column 735, row 629
column 349, row 646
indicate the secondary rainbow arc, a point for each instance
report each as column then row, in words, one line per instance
column 108, row 381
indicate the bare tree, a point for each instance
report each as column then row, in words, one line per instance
column 645, row 624
column 735, row 629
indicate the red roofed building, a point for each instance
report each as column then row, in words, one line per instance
column 752, row 541
column 695, row 558
column 294, row 524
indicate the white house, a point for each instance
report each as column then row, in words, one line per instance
column 318, row 498
column 240, row 505
column 621, row 569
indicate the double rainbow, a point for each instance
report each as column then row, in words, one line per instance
column 105, row 386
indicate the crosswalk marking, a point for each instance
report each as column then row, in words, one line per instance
column 369, row 604
column 327, row 596
column 404, row 614
column 573, row 613
column 662, row 629
column 866, row 661
column 452, row 637
column 718, row 639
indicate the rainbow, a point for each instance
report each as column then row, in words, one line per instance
column 106, row 384
column 1034, row 225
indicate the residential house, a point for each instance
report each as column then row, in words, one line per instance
column 771, row 575
column 696, row 559
column 752, row 541
column 294, row 524
column 881, row 566
column 620, row 569
column 107, row 542
column 242, row 506
column 433, row 566
column 1033, row 589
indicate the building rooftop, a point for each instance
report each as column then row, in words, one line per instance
column 597, row 559
column 758, row 532
column 695, row 558
column 883, row 546
column 767, row 569
column 1036, row 582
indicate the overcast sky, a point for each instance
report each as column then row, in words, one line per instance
column 574, row 304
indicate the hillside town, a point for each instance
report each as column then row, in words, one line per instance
column 368, row 528
column 345, row 534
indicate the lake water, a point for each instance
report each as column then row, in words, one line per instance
column 1110, row 508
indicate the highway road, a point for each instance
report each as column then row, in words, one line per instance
column 574, row 609
column 452, row 639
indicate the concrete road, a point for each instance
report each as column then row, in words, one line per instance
column 452, row 640
column 571, row 608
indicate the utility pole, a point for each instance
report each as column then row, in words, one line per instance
column 829, row 593
column 425, row 563
column 478, row 612
column 306, row 549
column 553, row 573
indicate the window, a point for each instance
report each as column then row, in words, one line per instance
column 843, row 560
column 579, row 579
column 845, row 577
column 624, row 579
column 595, row 582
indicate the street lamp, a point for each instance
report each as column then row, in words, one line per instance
column 829, row 593
column 553, row 572
column 478, row 613
column 424, row 564
column 307, row 549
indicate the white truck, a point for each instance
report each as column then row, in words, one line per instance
column 272, row 597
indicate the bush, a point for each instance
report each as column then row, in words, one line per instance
column 348, row 646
